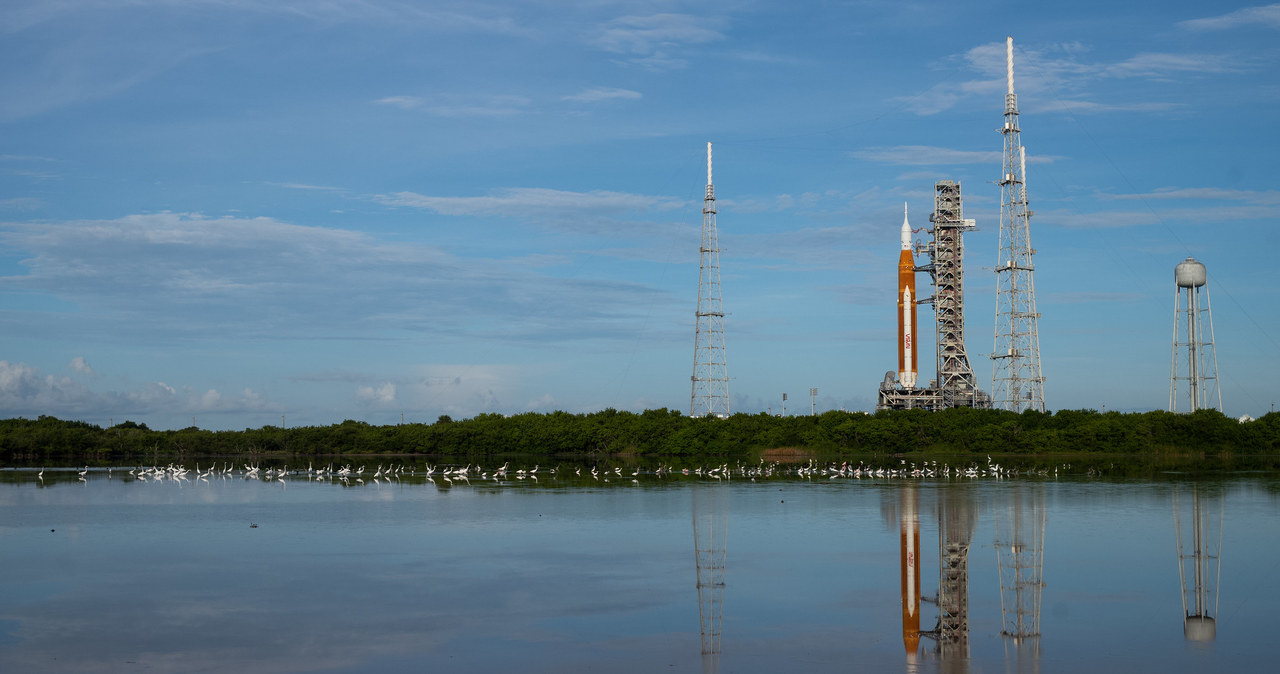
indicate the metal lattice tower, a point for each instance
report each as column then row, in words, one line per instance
column 1195, row 360
column 710, row 528
column 1019, row 534
column 956, row 385
column 710, row 378
column 1017, row 383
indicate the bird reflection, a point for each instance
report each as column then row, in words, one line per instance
column 1199, row 547
column 710, row 528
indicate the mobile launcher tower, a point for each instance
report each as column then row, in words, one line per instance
column 954, row 385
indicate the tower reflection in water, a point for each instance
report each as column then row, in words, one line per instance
column 1199, row 537
column 1019, row 543
column 710, row 531
column 957, row 519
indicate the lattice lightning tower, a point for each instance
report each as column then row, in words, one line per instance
column 1016, row 380
column 710, row 378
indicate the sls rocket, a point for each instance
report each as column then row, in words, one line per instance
column 910, row 529
column 907, row 357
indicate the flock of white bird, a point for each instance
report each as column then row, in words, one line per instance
column 348, row 475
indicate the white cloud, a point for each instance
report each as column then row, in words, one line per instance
column 25, row 390
column 1267, row 16
column 383, row 393
column 81, row 366
column 599, row 94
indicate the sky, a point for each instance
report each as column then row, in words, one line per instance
column 232, row 213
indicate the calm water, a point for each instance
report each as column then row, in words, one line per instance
column 116, row 574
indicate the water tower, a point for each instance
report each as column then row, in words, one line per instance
column 1195, row 361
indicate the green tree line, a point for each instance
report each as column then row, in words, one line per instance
column 665, row 434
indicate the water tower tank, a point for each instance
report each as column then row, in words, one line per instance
column 1189, row 274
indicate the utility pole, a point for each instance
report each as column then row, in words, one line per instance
column 813, row 397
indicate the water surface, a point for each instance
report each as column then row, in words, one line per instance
column 113, row 573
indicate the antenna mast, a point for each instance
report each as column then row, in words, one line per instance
column 1016, row 380
column 710, row 377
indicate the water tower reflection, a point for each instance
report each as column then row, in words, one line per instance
column 1199, row 536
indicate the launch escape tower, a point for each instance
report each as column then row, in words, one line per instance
column 1016, row 380
column 710, row 377
column 955, row 385
column 1195, row 360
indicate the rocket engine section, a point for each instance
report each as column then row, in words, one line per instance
column 907, row 351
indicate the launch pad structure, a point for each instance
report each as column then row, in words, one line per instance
column 955, row 385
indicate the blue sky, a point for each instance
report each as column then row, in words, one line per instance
column 226, row 211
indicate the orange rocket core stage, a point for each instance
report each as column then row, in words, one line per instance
column 907, row 351
column 910, row 528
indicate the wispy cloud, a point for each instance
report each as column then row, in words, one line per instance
column 1158, row 65
column 926, row 155
column 1267, row 16
column 1093, row 297
column 21, row 204
column 526, row 202
column 453, row 17
column 598, row 94
column 1063, row 73
column 459, row 105
column 1267, row 197
column 657, row 41
column 191, row 275
column 1079, row 106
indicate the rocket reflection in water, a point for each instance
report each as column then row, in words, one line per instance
column 909, row 520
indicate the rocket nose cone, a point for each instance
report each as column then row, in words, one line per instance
column 906, row 229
